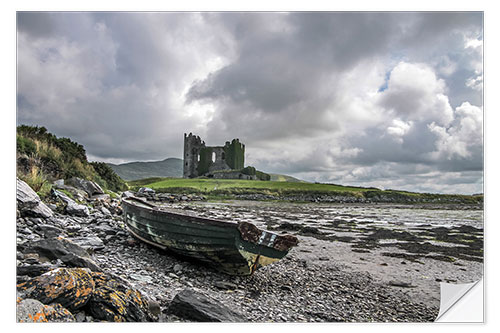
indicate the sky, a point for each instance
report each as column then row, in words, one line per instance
column 392, row 100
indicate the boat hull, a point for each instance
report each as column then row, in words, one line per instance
column 232, row 248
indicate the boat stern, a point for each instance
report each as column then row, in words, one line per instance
column 261, row 248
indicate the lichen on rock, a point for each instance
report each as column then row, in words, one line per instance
column 114, row 300
column 70, row 287
column 33, row 311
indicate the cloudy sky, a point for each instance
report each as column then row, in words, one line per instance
column 392, row 100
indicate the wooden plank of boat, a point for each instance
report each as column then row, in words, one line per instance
column 236, row 248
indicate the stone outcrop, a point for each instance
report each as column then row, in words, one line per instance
column 33, row 311
column 88, row 186
column 193, row 305
column 29, row 203
column 69, row 287
column 57, row 294
column 115, row 300
column 63, row 249
column 72, row 208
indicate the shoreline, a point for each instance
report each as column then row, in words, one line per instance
column 328, row 277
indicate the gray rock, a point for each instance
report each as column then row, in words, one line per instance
column 401, row 284
column 141, row 278
column 34, row 270
column 89, row 243
column 88, row 186
column 177, row 268
column 146, row 190
column 80, row 316
column 32, row 311
column 67, row 251
column 225, row 285
column 101, row 197
column 127, row 194
column 47, row 230
column 105, row 229
column 105, row 211
column 29, row 203
column 192, row 305
column 60, row 195
column 76, row 193
column 59, row 182
column 73, row 208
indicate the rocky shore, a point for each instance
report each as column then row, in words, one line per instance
column 77, row 262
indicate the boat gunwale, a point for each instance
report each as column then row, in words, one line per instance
column 170, row 212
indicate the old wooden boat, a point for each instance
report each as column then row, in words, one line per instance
column 236, row 248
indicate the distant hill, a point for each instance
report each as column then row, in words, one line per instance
column 284, row 178
column 170, row 167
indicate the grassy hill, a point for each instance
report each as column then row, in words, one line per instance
column 42, row 158
column 284, row 178
column 170, row 167
column 230, row 188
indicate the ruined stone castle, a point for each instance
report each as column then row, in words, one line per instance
column 215, row 162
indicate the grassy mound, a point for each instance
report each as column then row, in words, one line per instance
column 228, row 188
column 42, row 158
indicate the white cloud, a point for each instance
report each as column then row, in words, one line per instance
column 463, row 135
column 398, row 129
column 366, row 98
column 415, row 93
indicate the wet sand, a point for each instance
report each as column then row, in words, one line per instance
column 440, row 244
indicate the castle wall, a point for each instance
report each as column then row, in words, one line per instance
column 200, row 160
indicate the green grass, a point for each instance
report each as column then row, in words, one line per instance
column 209, row 185
column 228, row 188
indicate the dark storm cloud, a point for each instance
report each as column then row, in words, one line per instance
column 35, row 23
column 344, row 97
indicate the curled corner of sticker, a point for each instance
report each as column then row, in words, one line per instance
column 461, row 302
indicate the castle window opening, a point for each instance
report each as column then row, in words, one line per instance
column 223, row 156
column 213, row 156
column 198, row 157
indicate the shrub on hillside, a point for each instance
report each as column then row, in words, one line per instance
column 70, row 150
column 42, row 158
column 25, row 145
column 113, row 181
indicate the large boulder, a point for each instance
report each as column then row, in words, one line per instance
column 75, row 192
column 88, row 186
column 72, row 208
column 33, row 311
column 67, row 251
column 29, row 203
column 114, row 300
column 69, row 287
column 92, row 243
column 193, row 305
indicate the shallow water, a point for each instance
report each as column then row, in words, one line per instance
column 322, row 215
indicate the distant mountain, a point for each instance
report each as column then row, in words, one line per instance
column 284, row 178
column 170, row 167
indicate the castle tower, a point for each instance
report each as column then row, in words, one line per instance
column 192, row 146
